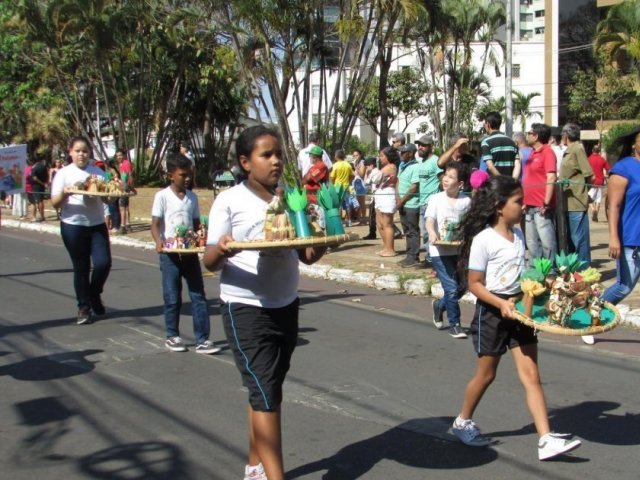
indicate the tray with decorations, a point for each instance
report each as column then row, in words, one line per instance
column 567, row 304
column 313, row 241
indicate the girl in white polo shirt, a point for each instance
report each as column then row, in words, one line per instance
column 83, row 230
column 259, row 293
column 493, row 253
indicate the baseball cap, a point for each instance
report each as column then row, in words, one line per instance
column 409, row 147
column 425, row 140
column 315, row 150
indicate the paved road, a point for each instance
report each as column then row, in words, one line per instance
column 371, row 393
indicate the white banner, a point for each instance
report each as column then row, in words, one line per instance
column 13, row 161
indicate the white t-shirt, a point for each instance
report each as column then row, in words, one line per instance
column 266, row 279
column 79, row 209
column 444, row 211
column 501, row 260
column 175, row 211
column 304, row 160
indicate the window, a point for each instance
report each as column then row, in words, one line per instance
column 539, row 30
column 315, row 91
column 515, row 70
column 539, row 13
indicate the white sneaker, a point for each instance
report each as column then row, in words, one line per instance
column 588, row 339
column 207, row 347
column 254, row 472
column 175, row 344
column 554, row 444
column 468, row 433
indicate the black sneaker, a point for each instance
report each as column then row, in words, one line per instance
column 456, row 332
column 84, row 316
column 97, row 306
column 408, row 262
column 371, row 236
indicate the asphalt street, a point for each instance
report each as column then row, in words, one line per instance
column 371, row 394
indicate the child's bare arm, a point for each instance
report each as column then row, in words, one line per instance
column 156, row 234
column 477, row 287
column 215, row 256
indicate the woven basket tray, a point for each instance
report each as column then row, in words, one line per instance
column 580, row 322
column 99, row 194
column 184, row 251
column 295, row 243
column 448, row 243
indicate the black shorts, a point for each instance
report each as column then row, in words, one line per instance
column 123, row 201
column 262, row 341
column 492, row 334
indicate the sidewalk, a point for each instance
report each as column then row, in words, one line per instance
column 358, row 263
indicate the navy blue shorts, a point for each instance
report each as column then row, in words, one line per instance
column 492, row 334
column 262, row 341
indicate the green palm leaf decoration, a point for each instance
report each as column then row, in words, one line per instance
column 329, row 198
column 296, row 199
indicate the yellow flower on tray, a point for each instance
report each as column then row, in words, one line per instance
column 532, row 287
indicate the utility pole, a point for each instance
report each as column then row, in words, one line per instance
column 508, row 125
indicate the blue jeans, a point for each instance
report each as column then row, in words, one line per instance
column 578, row 224
column 87, row 245
column 446, row 267
column 540, row 232
column 174, row 267
column 628, row 272
column 114, row 213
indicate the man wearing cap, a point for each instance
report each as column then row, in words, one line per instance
column 317, row 174
column 428, row 173
column 304, row 160
column 499, row 152
column 408, row 203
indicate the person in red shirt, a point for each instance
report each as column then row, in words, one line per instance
column 317, row 174
column 600, row 168
column 539, row 201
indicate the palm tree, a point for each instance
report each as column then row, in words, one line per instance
column 522, row 107
column 618, row 35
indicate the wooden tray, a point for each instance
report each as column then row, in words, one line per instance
column 447, row 243
column 184, row 251
column 75, row 191
column 295, row 243
column 580, row 322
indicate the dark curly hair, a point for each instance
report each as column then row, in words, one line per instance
column 483, row 211
column 392, row 155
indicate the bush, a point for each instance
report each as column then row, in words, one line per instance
column 609, row 143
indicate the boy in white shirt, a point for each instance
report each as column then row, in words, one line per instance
column 172, row 207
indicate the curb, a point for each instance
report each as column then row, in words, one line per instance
column 387, row 281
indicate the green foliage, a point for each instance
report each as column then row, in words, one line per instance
column 543, row 265
column 609, row 139
column 532, row 274
column 618, row 36
column 611, row 96
column 406, row 97
column 569, row 263
column 296, row 199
